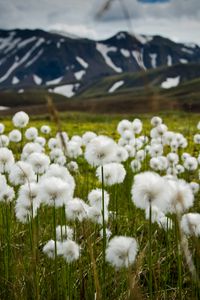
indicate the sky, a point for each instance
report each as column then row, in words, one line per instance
column 175, row 19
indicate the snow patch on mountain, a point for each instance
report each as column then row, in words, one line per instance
column 143, row 39
column 30, row 62
column 104, row 50
column 16, row 64
column 37, row 79
column 54, row 81
column 183, row 60
column 115, row 86
column 153, row 59
column 139, row 59
column 4, row 107
column 79, row 74
column 170, row 82
column 26, row 42
column 15, row 80
column 12, row 45
column 190, row 45
column 120, row 36
column 65, row 90
column 82, row 62
column 5, row 42
column 169, row 60
column 187, row 50
column 125, row 52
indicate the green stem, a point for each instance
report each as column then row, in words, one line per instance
column 55, row 249
column 150, row 253
column 104, row 238
column 178, row 259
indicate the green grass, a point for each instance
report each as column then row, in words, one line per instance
column 27, row 273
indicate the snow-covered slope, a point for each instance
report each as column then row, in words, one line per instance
column 47, row 60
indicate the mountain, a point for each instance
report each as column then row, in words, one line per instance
column 51, row 61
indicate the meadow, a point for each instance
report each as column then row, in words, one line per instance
column 100, row 206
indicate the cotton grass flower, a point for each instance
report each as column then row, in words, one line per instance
column 45, row 129
column 95, row 215
column 155, row 163
column 21, row 173
column 73, row 166
column 64, row 233
column 113, row 173
column 136, row 165
column 70, row 251
column 39, row 162
column 180, row 169
column 191, row 163
column 87, row 137
column 15, row 136
column 140, row 155
column 95, row 198
column 100, row 150
column 76, row 209
column 77, row 139
column 73, row 149
column 2, row 128
column 53, row 143
column 156, row 150
column 155, row 121
column 131, row 150
column 128, row 135
column 137, row 126
column 30, row 148
column 6, row 160
column 194, row 187
column 31, row 133
column 49, row 248
column 55, row 153
column 54, row 191
column 40, row 140
column 27, row 202
column 121, row 154
column 196, row 138
column 7, row 193
column 3, row 181
column 121, row 251
column 20, row 119
column 150, row 189
column 123, row 126
column 4, row 140
column 182, row 196
column 172, row 158
column 184, row 156
column 190, row 224
column 61, row 172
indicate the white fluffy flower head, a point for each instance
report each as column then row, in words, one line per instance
column 121, row 251
column 20, row 119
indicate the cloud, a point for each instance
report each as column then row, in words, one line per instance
column 165, row 10
column 177, row 18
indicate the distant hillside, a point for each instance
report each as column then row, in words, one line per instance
column 35, row 59
column 124, row 73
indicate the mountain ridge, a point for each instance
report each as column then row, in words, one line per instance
column 45, row 60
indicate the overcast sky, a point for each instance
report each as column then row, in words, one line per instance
column 176, row 19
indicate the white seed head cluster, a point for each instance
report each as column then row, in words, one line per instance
column 121, row 251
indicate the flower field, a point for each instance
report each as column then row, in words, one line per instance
column 98, row 207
